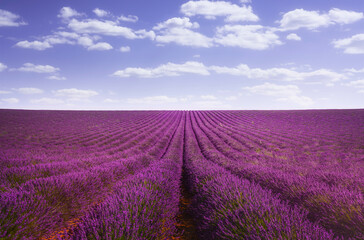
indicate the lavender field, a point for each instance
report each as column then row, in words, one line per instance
column 182, row 174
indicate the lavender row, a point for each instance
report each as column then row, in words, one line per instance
column 231, row 148
column 143, row 207
column 14, row 176
column 232, row 208
column 67, row 196
column 337, row 209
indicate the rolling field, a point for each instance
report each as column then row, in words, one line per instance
column 182, row 174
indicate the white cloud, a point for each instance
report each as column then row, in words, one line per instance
column 74, row 94
column 67, row 13
column 37, row 45
column 100, row 13
column 208, row 97
column 169, row 69
column 4, row 92
column 178, row 30
column 284, row 74
column 101, row 46
column 344, row 17
column 8, row 19
column 55, row 77
column 246, row 36
column 351, row 45
column 29, row 90
column 300, row 18
column 129, row 18
column 245, row 1
column 108, row 28
column 176, row 23
column 2, row 67
column 109, row 100
column 152, row 100
column 124, row 49
column 45, row 100
column 358, row 84
column 211, row 10
column 287, row 93
column 85, row 40
column 354, row 71
column 30, row 67
column 10, row 100
column 293, row 36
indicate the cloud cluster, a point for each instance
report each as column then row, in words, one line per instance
column 179, row 31
column 294, row 37
column 66, row 13
column 70, row 38
column 351, row 45
column 300, row 18
column 213, row 9
column 10, row 100
column 358, row 84
column 29, row 90
column 164, row 70
column 86, row 31
column 30, row 67
column 284, row 74
column 285, row 93
column 75, row 95
column 254, row 37
column 9, row 19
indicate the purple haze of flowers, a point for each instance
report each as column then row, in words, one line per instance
column 118, row 175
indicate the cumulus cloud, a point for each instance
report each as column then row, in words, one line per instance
column 74, row 94
column 100, row 13
column 125, row 49
column 107, row 28
column 103, row 13
column 10, row 100
column 358, row 84
column 213, row 9
column 351, row 45
column 55, row 77
column 101, row 46
column 29, row 90
column 2, row 67
column 37, row 45
column 85, row 40
column 284, row 74
column 179, row 31
column 109, row 100
column 300, row 18
column 67, row 13
column 129, row 18
column 30, row 67
column 246, row 36
column 169, row 70
column 354, row 71
column 294, row 37
column 286, row 93
column 9, row 19
column 4, row 92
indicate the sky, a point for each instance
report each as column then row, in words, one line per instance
column 181, row 55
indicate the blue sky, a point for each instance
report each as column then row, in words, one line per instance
column 138, row 54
